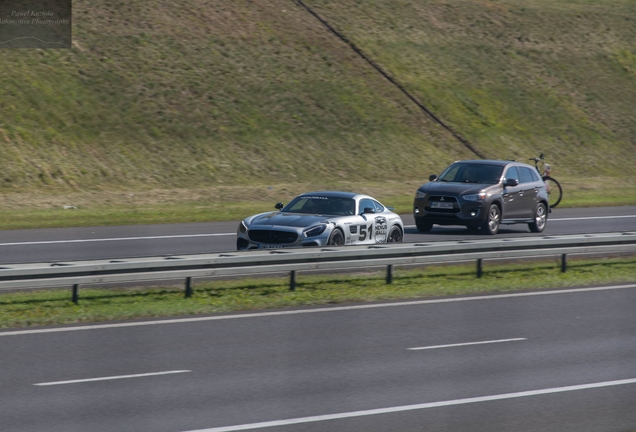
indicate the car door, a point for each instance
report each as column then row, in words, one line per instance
column 512, row 195
column 366, row 221
column 529, row 192
column 381, row 225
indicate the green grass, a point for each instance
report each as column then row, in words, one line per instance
column 235, row 203
column 41, row 308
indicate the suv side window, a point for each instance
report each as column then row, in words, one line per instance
column 526, row 175
column 512, row 173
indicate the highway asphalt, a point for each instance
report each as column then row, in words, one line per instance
column 63, row 244
column 543, row 361
column 557, row 361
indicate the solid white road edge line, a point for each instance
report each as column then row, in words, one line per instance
column 466, row 344
column 114, row 239
column 415, row 407
column 593, row 217
column 111, row 378
column 317, row 310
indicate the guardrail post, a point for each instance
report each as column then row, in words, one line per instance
column 292, row 280
column 75, row 298
column 480, row 268
column 389, row 274
column 564, row 262
column 188, row 287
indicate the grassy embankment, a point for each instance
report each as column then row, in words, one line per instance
column 212, row 110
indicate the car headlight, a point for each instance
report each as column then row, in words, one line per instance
column 315, row 231
column 475, row 197
column 242, row 227
column 420, row 194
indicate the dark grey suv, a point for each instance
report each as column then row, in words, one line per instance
column 482, row 195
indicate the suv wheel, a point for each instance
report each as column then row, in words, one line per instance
column 540, row 219
column 491, row 226
column 423, row 226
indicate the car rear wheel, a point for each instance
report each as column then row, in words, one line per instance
column 491, row 226
column 423, row 226
column 336, row 238
column 395, row 235
column 540, row 219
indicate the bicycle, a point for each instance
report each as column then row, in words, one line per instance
column 555, row 192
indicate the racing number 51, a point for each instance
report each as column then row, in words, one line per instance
column 366, row 230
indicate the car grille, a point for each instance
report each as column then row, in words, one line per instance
column 442, row 204
column 272, row 236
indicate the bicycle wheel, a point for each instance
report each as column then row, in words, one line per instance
column 555, row 193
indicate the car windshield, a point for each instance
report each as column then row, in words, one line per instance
column 317, row 204
column 472, row 173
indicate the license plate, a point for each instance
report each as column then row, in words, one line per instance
column 442, row 205
column 270, row 246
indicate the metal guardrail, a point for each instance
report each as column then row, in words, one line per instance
column 75, row 273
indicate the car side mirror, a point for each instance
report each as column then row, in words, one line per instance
column 432, row 177
column 511, row 182
column 369, row 210
column 279, row 206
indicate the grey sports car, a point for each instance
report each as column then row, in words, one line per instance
column 321, row 219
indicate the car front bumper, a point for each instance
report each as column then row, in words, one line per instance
column 261, row 238
column 463, row 212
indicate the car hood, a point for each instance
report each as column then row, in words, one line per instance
column 296, row 220
column 453, row 188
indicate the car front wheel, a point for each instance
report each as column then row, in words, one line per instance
column 540, row 219
column 491, row 226
column 336, row 238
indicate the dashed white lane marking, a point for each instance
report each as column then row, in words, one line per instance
column 415, row 407
column 111, row 378
column 466, row 344
column 309, row 311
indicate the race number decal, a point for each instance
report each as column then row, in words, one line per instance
column 365, row 231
